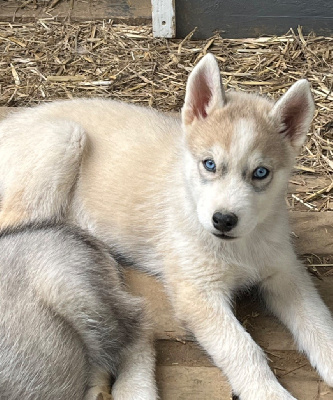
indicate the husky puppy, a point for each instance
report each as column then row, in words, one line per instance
column 198, row 200
column 66, row 323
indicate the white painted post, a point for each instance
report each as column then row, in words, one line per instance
column 163, row 14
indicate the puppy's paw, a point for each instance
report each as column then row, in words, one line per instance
column 325, row 369
column 104, row 396
column 133, row 392
column 97, row 393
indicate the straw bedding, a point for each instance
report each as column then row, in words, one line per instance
column 47, row 60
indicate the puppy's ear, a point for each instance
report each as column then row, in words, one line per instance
column 204, row 91
column 294, row 112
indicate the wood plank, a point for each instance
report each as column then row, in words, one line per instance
column 185, row 372
column 163, row 14
column 129, row 11
column 243, row 18
column 185, row 353
column 192, row 383
column 313, row 232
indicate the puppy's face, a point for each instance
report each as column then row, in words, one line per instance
column 239, row 152
column 237, row 170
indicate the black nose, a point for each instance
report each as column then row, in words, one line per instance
column 224, row 222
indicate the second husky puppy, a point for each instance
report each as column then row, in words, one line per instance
column 66, row 323
column 198, row 200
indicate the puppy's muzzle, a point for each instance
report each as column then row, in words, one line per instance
column 224, row 222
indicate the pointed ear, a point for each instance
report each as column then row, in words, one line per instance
column 294, row 112
column 204, row 91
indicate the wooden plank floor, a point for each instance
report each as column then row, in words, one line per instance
column 184, row 372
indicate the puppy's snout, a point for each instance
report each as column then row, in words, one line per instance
column 224, row 222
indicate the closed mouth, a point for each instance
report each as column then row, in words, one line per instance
column 224, row 236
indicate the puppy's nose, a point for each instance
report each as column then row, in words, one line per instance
column 224, row 222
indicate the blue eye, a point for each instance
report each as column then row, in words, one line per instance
column 209, row 165
column 260, row 173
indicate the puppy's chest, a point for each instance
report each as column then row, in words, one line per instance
column 237, row 276
column 228, row 270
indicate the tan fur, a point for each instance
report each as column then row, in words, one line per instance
column 218, row 128
column 13, row 211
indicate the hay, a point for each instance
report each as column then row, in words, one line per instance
column 48, row 60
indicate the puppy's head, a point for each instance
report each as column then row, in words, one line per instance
column 239, row 149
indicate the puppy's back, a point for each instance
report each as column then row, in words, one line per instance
column 62, row 311
column 41, row 357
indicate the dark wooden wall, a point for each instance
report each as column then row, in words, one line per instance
column 246, row 18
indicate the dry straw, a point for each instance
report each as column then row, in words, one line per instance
column 48, row 60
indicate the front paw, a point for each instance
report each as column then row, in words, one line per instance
column 104, row 396
column 327, row 374
column 127, row 391
column 324, row 362
column 97, row 393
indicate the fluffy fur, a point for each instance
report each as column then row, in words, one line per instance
column 136, row 178
column 67, row 326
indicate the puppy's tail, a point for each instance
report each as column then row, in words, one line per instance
column 40, row 182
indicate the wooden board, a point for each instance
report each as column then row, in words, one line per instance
column 243, row 18
column 128, row 11
column 163, row 15
column 191, row 383
column 312, row 232
column 235, row 18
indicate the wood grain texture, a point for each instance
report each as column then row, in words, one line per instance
column 163, row 15
column 242, row 18
column 129, row 11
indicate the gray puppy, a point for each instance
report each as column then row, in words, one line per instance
column 67, row 326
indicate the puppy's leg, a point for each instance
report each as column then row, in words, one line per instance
column 86, row 290
column 76, row 299
column 98, row 385
column 37, row 181
column 205, row 309
column 292, row 297
column 136, row 378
